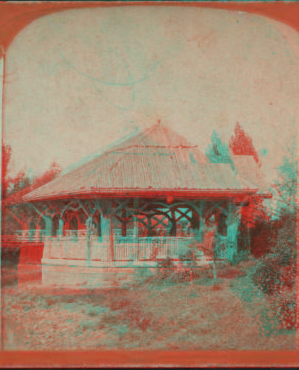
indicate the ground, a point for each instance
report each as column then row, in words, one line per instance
column 227, row 313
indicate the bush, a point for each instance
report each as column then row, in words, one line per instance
column 276, row 277
column 267, row 276
column 287, row 314
column 165, row 269
column 261, row 237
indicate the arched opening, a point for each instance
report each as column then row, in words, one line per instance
column 160, row 225
column 185, row 221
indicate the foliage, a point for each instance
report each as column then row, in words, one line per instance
column 18, row 186
column 218, row 151
column 261, row 237
column 6, row 157
column 254, row 212
column 13, row 185
column 241, row 143
column 278, row 282
column 285, row 188
column 276, row 272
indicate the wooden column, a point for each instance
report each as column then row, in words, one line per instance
column 109, row 232
column 103, row 226
column 135, row 206
column 232, row 232
column 201, row 221
column 195, row 223
column 99, row 226
column 136, row 237
column 124, row 224
column 48, row 223
column 173, row 226
column 88, row 239
column 111, row 239
column 61, row 226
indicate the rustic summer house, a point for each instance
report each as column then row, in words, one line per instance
column 143, row 200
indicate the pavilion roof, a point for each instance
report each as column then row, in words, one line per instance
column 157, row 159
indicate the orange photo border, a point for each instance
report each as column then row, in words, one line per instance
column 13, row 18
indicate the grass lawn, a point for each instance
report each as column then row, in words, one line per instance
column 229, row 313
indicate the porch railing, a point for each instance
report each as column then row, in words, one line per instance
column 74, row 246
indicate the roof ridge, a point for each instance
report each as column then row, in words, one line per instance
column 145, row 135
column 159, row 146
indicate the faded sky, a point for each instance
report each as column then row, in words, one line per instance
column 81, row 79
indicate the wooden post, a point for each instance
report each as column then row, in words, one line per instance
column 48, row 222
column 201, row 222
column 105, row 230
column 111, row 240
column 195, row 223
column 232, row 233
column 88, row 237
column 103, row 227
column 173, row 226
column 136, row 236
column 109, row 232
column 61, row 225
column 123, row 224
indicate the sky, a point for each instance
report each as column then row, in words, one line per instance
column 79, row 80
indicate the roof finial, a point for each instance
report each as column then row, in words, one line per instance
column 159, row 122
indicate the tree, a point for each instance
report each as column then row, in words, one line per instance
column 6, row 157
column 46, row 177
column 284, row 188
column 254, row 212
column 16, row 187
column 241, row 143
column 11, row 185
column 218, row 151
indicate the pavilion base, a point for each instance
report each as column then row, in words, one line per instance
column 72, row 273
column 29, row 273
column 90, row 277
column 110, row 264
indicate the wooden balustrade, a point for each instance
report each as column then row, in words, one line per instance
column 125, row 248
column 73, row 246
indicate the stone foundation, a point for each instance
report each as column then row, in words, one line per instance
column 97, row 277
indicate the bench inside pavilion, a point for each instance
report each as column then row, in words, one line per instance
column 142, row 201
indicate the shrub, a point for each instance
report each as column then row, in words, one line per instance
column 277, row 280
column 267, row 276
column 261, row 237
column 287, row 314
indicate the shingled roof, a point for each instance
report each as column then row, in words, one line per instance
column 157, row 159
